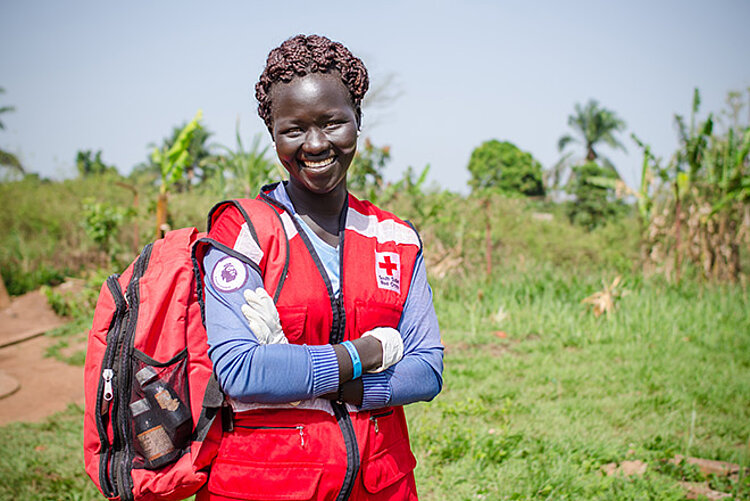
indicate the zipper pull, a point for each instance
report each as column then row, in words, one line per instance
column 108, row 374
column 301, row 435
column 375, row 421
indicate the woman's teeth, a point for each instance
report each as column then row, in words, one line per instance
column 320, row 163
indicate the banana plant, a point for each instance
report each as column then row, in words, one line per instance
column 731, row 173
column 172, row 162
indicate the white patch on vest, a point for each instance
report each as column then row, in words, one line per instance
column 246, row 245
column 387, row 230
column 388, row 271
column 229, row 274
column 289, row 228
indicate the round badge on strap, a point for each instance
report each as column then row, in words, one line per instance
column 229, row 274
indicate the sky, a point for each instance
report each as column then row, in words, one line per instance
column 118, row 76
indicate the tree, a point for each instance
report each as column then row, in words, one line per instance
column 503, row 166
column 172, row 162
column 593, row 125
column 7, row 158
column 593, row 204
column 88, row 166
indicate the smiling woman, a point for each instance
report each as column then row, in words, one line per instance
column 327, row 328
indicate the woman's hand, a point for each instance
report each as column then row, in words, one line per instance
column 262, row 316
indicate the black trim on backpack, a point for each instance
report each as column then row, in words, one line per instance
column 213, row 401
column 139, row 355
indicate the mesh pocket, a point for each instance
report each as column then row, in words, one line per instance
column 160, row 410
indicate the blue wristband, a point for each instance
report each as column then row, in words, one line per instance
column 356, row 362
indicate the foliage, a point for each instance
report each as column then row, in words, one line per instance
column 249, row 169
column 365, row 174
column 77, row 304
column 102, row 221
column 7, row 158
column 593, row 204
column 172, row 159
column 88, row 166
column 695, row 211
column 503, row 166
column 593, row 125
column 199, row 167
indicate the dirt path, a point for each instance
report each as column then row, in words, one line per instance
column 34, row 386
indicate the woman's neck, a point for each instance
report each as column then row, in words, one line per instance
column 322, row 210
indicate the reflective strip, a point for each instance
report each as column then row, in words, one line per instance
column 289, row 228
column 315, row 404
column 246, row 245
column 384, row 231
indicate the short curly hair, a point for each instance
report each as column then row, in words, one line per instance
column 301, row 55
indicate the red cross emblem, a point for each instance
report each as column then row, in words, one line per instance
column 388, row 266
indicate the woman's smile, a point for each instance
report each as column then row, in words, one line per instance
column 318, row 164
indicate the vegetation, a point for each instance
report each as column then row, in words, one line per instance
column 504, row 167
column 249, row 169
column 8, row 159
column 172, row 161
column 594, row 201
column 593, row 124
column 89, row 166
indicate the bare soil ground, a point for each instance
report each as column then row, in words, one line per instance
column 33, row 386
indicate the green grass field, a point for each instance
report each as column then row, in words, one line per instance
column 535, row 414
column 535, row 400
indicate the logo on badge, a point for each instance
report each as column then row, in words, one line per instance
column 388, row 271
column 229, row 274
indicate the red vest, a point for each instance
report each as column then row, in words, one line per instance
column 309, row 454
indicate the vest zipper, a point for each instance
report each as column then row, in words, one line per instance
column 374, row 418
column 338, row 329
column 299, row 428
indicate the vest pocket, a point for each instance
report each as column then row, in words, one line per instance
column 254, row 480
column 293, row 320
column 388, row 466
column 370, row 315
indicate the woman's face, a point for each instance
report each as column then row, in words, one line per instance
column 315, row 130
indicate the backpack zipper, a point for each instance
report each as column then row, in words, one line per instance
column 105, row 393
column 123, row 461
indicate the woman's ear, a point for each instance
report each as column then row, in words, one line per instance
column 358, row 112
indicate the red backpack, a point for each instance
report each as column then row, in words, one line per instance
column 150, row 431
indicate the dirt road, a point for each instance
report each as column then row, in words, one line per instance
column 34, row 386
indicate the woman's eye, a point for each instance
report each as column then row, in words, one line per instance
column 294, row 131
column 332, row 125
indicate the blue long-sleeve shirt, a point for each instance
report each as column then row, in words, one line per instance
column 251, row 372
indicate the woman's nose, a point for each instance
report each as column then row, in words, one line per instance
column 315, row 142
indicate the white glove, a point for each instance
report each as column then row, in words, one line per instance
column 393, row 345
column 262, row 317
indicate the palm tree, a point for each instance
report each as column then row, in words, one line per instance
column 593, row 125
column 7, row 158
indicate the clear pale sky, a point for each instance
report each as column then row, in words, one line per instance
column 117, row 76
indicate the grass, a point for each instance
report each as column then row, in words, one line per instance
column 536, row 414
column 535, row 400
column 533, row 415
